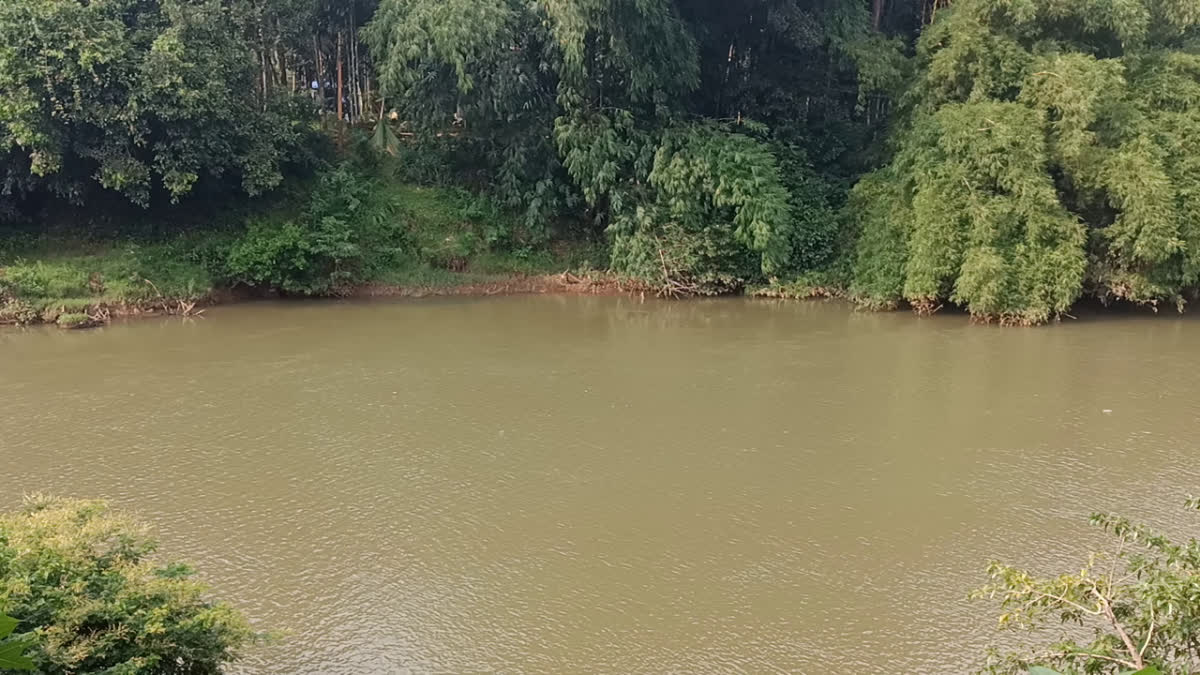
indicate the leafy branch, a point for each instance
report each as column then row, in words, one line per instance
column 12, row 650
column 1140, row 603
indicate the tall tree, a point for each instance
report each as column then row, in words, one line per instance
column 134, row 97
column 657, row 110
column 1050, row 149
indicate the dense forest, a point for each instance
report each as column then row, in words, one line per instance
column 1009, row 157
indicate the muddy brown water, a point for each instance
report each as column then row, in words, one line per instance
column 604, row 485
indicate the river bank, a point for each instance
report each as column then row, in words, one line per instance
column 397, row 240
column 72, row 313
column 149, row 300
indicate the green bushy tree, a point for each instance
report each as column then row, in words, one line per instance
column 349, row 227
column 640, row 112
column 134, row 97
column 479, row 76
column 1048, row 152
column 91, row 598
column 716, row 214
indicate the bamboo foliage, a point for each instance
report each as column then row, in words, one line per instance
column 1050, row 150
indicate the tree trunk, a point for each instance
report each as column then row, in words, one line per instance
column 282, row 64
column 358, row 69
column 262, row 42
column 339, row 77
column 877, row 9
column 367, row 95
column 320, row 78
column 352, row 62
column 352, row 56
column 264, row 80
column 929, row 10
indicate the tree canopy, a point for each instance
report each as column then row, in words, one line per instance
column 134, row 97
column 677, row 125
column 1005, row 156
column 1048, row 151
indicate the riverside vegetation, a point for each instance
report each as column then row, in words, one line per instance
column 1008, row 157
column 88, row 597
column 339, row 229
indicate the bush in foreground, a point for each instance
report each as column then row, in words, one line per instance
column 1135, row 610
column 90, row 598
column 12, row 652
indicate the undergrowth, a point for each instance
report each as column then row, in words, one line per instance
column 346, row 227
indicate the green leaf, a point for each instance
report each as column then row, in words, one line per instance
column 7, row 625
column 1148, row 670
column 11, row 657
column 1041, row 670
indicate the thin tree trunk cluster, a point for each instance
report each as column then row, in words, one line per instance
column 335, row 73
column 929, row 10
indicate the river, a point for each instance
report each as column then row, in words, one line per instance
column 604, row 485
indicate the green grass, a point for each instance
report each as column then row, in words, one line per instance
column 453, row 228
column 424, row 276
column 73, row 320
column 558, row 257
column 489, row 266
column 437, row 237
column 72, row 276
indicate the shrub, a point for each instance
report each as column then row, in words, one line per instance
column 420, row 160
column 289, row 257
column 348, row 228
column 718, row 217
column 815, row 234
column 73, row 320
column 81, row 579
column 1138, row 606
